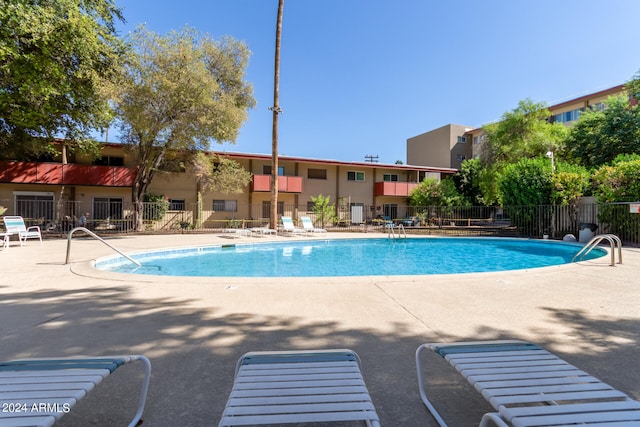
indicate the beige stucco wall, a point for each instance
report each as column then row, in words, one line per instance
column 312, row 187
column 356, row 191
column 438, row 147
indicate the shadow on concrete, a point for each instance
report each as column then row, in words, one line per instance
column 194, row 350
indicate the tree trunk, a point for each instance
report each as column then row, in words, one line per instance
column 137, row 194
column 273, row 223
column 143, row 178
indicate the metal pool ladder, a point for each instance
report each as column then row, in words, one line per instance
column 95, row 236
column 392, row 234
column 613, row 240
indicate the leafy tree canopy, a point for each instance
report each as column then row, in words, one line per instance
column 219, row 173
column 526, row 182
column 55, row 57
column 570, row 182
column 522, row 133
column 468, row 180
column 633, row 86
column 431, row 192
column 599, row 136
column 180, row 92
column 619, row 181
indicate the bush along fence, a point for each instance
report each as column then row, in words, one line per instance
column 117, row 216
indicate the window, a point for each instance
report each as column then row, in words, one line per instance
column 461, row 157
column 355, row 176
column 317, row 173
column 310, row 206
column 390, row 177
column 462, row 140
column 567, row 116
column 109, row 161
column 34, row 205
column 176, row 204
column 266, row 170
column 225, row 205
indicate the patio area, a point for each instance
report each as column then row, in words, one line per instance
column 194, row 329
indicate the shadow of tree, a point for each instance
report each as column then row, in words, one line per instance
column 193, row 350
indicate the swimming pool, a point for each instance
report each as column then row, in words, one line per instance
column 350, row 257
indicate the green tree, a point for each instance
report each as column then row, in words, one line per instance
column 523, row 187
column 219, row 173
column 526, row 182
column 618, row 182
column 179, row 93
column 599, row 136
column 324, row 210
column 468, row 181
column 55, row 57
column 431, row 192
column 570, row 183
column 633, row 86
column 523, row 133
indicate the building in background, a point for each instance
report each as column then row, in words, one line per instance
column 450, row 145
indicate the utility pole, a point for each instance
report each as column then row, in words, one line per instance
column 273, row 223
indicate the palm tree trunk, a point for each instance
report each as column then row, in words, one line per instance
column 273, row 223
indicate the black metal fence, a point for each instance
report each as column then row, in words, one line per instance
column 116, row 216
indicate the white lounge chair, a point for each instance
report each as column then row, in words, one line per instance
column 15, row 225
column 37, row 392
column 237, row 232
column 289, row 227
column 530, row 387
column 288, row 387
column 307, row 224
column 263, row 231
column 5, row 240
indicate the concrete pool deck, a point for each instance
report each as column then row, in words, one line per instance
column 194, row 329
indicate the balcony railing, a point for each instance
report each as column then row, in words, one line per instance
column 389, row 188
column 65, row 174
column 286, row 184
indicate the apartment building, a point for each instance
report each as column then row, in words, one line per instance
column 450, row 145
column 52, row 193
column 442, row 147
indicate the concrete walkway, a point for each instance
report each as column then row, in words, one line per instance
column 194, row 329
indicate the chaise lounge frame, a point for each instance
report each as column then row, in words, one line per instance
column 530, row 387
column 38, row 392
column 15, row 225
column 285, row 387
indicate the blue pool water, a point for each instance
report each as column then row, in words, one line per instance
column 358, row 257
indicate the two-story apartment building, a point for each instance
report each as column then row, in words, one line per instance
column 53, row 193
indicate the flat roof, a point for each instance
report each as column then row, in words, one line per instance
column 336, row 162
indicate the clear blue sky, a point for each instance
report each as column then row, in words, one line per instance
column 359, row 77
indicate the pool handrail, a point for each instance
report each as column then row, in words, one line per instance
column 613, row 240
column 95, row 236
